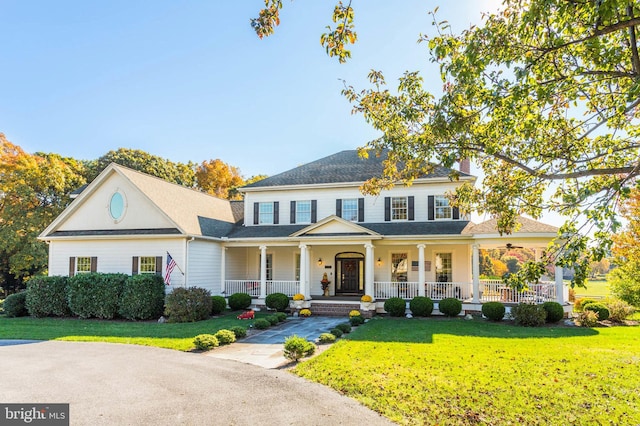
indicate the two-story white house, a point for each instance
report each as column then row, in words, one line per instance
column 290, row 231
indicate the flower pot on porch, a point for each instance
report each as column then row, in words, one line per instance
column 297, row 303
column 368, row 306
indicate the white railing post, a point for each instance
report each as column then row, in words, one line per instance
column 263, row 272
column 475, row 272
column 421, row 277
column 303, row 270
column 222, row 270
column 368, row 271
column 559, row 284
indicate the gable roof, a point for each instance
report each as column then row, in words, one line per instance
column 342, row 167
column 527, row 226
column 193, row 212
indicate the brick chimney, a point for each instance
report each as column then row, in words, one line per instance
column 465, row 166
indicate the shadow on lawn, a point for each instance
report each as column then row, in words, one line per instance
column 422, row 330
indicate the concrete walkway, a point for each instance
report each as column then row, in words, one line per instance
column 265, row 349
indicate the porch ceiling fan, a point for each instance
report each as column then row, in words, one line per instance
column 510, row 246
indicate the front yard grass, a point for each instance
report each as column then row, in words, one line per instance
column 452, row 371
column 171, row 336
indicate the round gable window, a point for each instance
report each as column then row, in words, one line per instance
column 116, row 206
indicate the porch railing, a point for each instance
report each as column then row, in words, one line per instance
column 439, row 290
column 496, row 291
column 252, row 287
column 387, row 289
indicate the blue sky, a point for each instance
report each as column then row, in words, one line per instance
column 190, row 81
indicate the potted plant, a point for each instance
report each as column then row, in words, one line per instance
column 325, row 284
column 298, row 300
column 367, row 303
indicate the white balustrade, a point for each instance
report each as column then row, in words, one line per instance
column 252, row 287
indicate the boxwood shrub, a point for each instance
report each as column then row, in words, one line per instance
column 188, row 304
column 395, row 306
column 47, row 296
column 336, row 332
column 598, row 308
column 95, row 294
column 494, row 311
column 345, row 327
column 218, row 305
column 261, row 324
column 238, row 301
column 273, row 320
column 281, row 316
column 421, row 306
column 327, row 338
column 356, row 321
column 554, row 311
column 450, row 306
column 15, row 305
column 239, row 331
column 225, row 337
column 529, row 315
column 277, row 301
column 142, row 297
column 205, row 342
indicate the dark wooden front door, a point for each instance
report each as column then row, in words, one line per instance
column 350, row 276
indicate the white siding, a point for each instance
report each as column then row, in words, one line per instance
column 204, row 265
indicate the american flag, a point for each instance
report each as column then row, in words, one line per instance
column 170, row 265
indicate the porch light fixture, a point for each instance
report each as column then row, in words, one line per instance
column 320, row 261
column 379, row 261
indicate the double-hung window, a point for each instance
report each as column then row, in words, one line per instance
column 83, row 265
column 443, row 210
column 399, row 267
column 399, row 208
column 303, row 212
column 350, row 209
column 265, row 213
column 147, row 265
column 444, row 268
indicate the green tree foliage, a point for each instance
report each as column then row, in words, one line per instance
column 486, row 266
column 182, row 174
column 544, row 97
column 34, row 189
column 625, row 279
column 218, row 178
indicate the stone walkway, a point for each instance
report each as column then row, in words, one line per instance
column 265, row 348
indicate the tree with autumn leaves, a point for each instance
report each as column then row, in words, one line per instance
column 543, row 96
column 625, row 279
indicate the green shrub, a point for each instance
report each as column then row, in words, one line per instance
column 204, row 342
column 47, row 296
column 450, row 306
column 142, row 297
column 619, row 310
column 15, row 305
column 238, row 301
column 218, row 305
column 1, row 306
column 277, row 301
column 336, row 332
column 261, row 324
column 554, row 311
column 599, row 308
column 345, row 327
column 273, row 320
column 494, row 311
column 281, row 316
column 188, row 304
column 95, row 295
column 239, row 331
column 225, row 337
column 327, row 338
column 578, row 306
column 421, row 306
column 395, row 306
column 296, row 347
column 356, row 321
column 529, row 315
column 586, row 318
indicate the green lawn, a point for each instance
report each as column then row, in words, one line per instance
column 452, row 371
column 597, row 288
column 171, row 336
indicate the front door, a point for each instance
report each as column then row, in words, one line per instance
column 351, row 279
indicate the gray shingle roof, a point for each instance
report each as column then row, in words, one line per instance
column 527, row 226
column 344, row 166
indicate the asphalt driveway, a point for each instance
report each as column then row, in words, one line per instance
column 119, row 384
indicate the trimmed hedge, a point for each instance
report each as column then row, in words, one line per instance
column 494, row 311
column 142, row 297
column 239, row 301
column 277, row 301
column 599, row 308
column 395, row 306
column 450, row 306
column 218, row 305
column 15, row 305
column 205, row 342
column 554, row 311
column 95, row 295
column 188, row 305
column 421, row 306
column 529, row 315
column 47, row 296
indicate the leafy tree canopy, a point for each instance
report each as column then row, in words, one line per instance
column 543, row 97
column 219, row 178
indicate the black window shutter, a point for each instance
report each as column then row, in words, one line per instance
column 94, row 264
column 387, row 209
column 276, row 212
column 431, row 208
column 72, row 266
column 134, row 266
column 292, row 212
column 339, row 207
column 314, row 211
column 456, row 213
column 159, row 265
column 256, row 213
column 411, row 212
column 360, row 209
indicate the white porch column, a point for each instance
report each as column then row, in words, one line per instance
column 263, row 272
column 559, row 285
column 368, row 270
column 475, row 272
column 421, row 277
column 303, row 269
column 223, row 267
